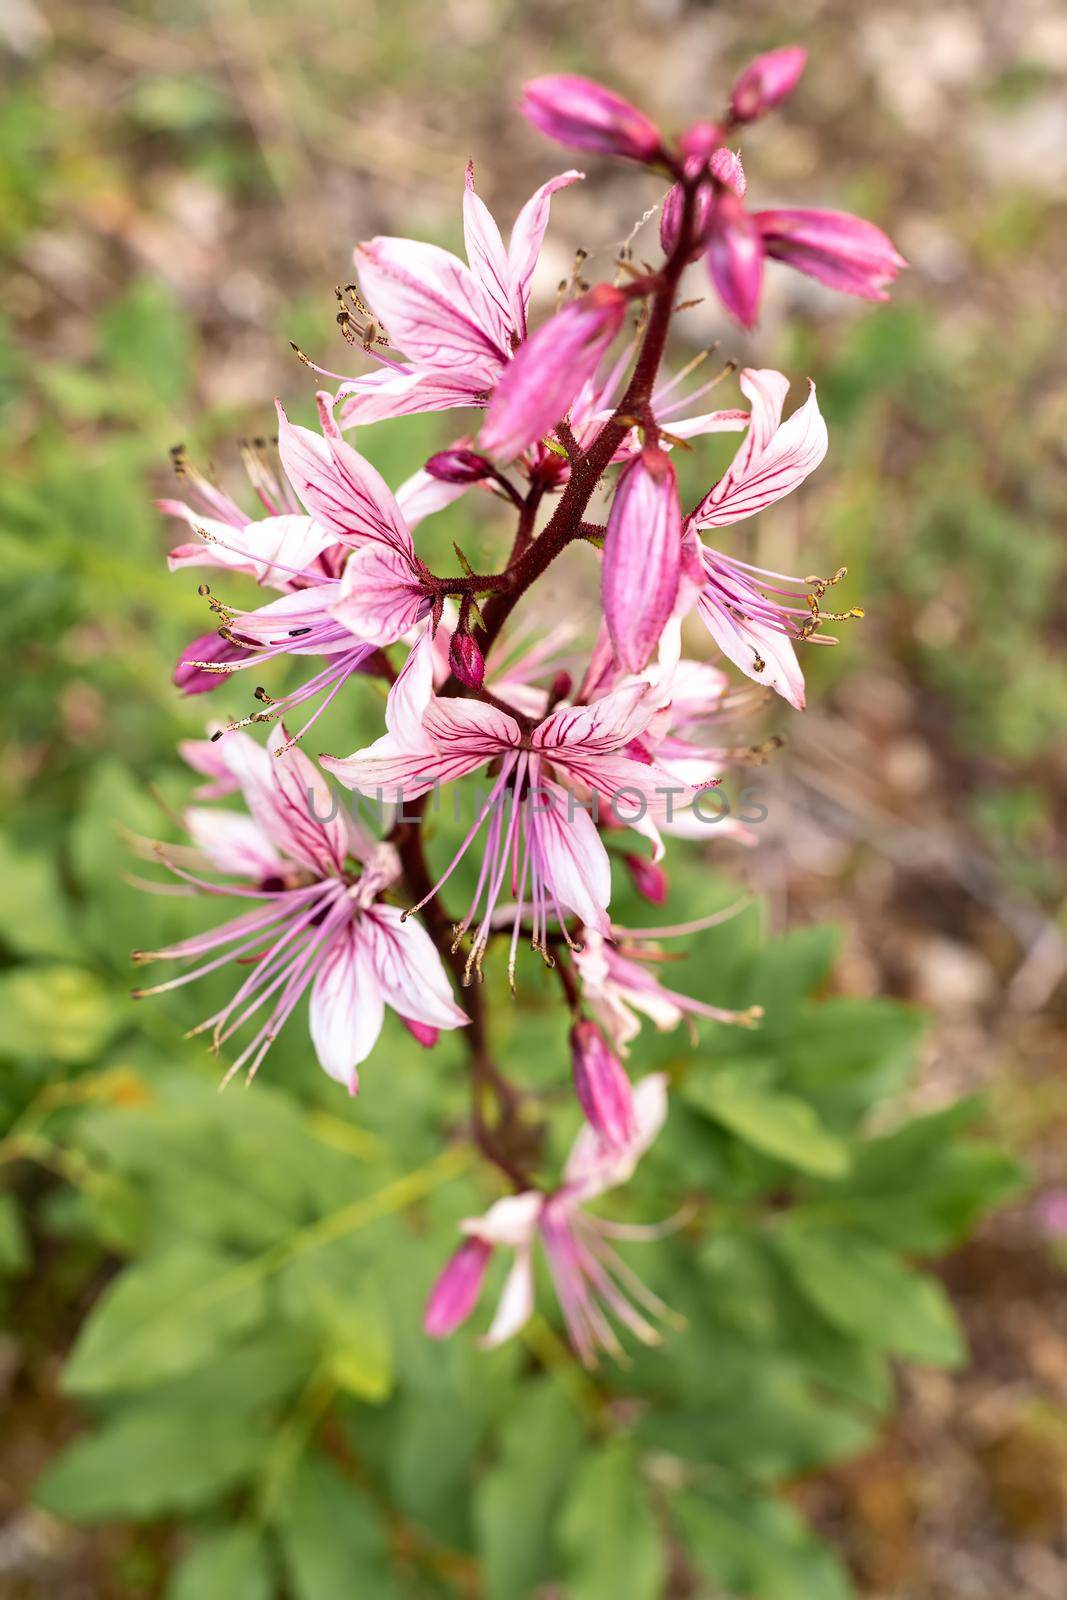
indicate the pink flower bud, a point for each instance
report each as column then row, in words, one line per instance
column 697, row 143
column 560, row 687
column 648, row 879
column 642, row 557
column 455, row 1294
column 766, row 81
column 585, row 116
column 466, row 660
column 548, row 370
column 837, row 248
column 422, row 1031
column 191, row 679
column 458, row 466
column 726, row 166
column 670, row 222
column 735, row 258
column 603, row 1089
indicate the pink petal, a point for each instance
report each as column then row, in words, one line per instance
column 586, row 116
column 524, row 246
column 381, row 596
column 774, row 459
column 433, row 307
column 346, row 1010
column 642, row 557
column 840, row 250
column 408, row 968
column 575, row 862
column 485, row 251
column 602, row 1087
column 735, row 258
column 340, row 488
column 549, row 369
column 455, row 1294
column 592, row 1168
column 233, row 843
column 407, row 391
column 763, row 654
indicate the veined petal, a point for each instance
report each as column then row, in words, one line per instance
column 775, row 457
column 341, row 489
column 298, row 811
column 408, row 967
column 572, row 856
column 485, row 252
column 233, row 843
column 422, row 494
column 471, row 727
column 273, row 549
column 524, row 246
column 381, row 596
column 764, row 654
column 642, row 557
column 432, row 306
column 407, row 391
column 606, row 724
column 347, row 1009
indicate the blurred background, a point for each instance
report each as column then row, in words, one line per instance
column 181, row 186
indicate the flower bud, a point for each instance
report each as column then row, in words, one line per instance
column 697, row 143
column 548, row 369
column 735, row 258
column 585, row 116
column 458, row 466
column 466, row 660
column 455, row 1294
column 648, row 878
column 766, row 81
column 726, row 166
column 839, row 249
column 426, row 1035
column 603, row 1089
column 642, row 557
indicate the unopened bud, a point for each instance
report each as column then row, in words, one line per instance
column 648, row 879
column 603, row 1089
column 455, row 1294
column 458, row 466
column 766, row 81
column 585, row 116
column 466, row 660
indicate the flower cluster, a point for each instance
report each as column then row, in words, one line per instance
column 590, row 760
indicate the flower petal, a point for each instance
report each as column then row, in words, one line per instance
column 346, row 1009
column 773, row 460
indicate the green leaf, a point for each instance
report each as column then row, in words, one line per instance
column 229, row 1565
column 332, row 1538
column 612, row 1544
column 779, row 1125
column 161, row 1318
column 751, row 1544
column 863, row 1288
column 348, row 1318
column 42, row 927
column 152, row 1459
column 55, row 1013
column 516, row 1501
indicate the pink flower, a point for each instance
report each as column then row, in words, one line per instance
column 549, row 369
column 601, row 1084
column 766, row 82
column 597, row 1291
column 840, row 250
column 754, row 615
column 585, row 116
column 346, row 572
column 541, row 839
column 642, row 557
column 617, row 985
column 316, row 919
column 457, row 324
